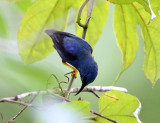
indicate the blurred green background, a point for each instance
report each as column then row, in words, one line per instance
column 16, row 78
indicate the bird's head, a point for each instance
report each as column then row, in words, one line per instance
column 88, row 73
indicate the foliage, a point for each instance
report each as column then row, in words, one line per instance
column 35, row 45
column 115, row 105
column 122, row 107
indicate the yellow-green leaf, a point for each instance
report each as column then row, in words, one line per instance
column 97, row 22
column 144, row 3
column 33, row 43
column 119, row 106
column 125, row 30
column 152, row 44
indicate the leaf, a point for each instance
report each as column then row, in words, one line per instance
column 119, row 106
column 33, row 43
column 125, row 30
column 152, row 44
column 3, row 27
column 144, row 3
column 97, row 22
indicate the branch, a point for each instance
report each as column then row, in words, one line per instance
column 95, row 94
column 99, row 89
column 13, row 101
column 69, row 87
column 19, row 113
column 72, row 90
column 79, row 14
column 85, row 26
column 93, row 112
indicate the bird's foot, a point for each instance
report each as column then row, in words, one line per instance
column 75, row 72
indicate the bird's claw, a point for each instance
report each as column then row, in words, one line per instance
column 74, row 73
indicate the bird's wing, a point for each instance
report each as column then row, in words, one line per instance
column 76, row 45
column 69, row 45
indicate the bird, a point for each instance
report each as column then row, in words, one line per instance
column 75, row 53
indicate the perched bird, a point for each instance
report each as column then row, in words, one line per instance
column 78, row 53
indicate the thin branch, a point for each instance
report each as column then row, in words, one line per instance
column 17, row 102
column 95, row 94
column 19, row 113
column 85, row 26
column 80, row 12
column 70, row 85
column 72, row 90
column 2, row 117
column 93, row 112
column 88, row 18
column 99, row 89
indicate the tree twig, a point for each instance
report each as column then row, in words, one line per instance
column 85, row 26
column 93, row 112
column 99, row 89
column 93, row 92
column 69, row 87
column 2, row 117
column 17, row 102
column 19, row 113
column 72, row 90
column 80, row 12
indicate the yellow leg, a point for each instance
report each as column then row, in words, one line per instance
column 75, row 71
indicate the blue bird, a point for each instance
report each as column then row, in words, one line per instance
column 78, row 53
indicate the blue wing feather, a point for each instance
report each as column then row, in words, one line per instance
column 76, row 46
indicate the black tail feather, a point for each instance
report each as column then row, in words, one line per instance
column 83, row 85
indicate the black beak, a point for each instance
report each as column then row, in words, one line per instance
column 83, row 85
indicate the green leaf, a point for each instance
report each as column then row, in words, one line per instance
column 125, row 30
column 3, row 27
column 119, row 106
column 144, row 3
column 152, row 44
column 97, row 22
column 33, row 43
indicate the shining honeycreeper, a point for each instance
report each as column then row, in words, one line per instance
column 78, row 53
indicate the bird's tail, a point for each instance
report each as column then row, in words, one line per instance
column 83, row 85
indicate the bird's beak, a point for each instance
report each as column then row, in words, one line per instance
column 82, row 87
column 50, row 32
